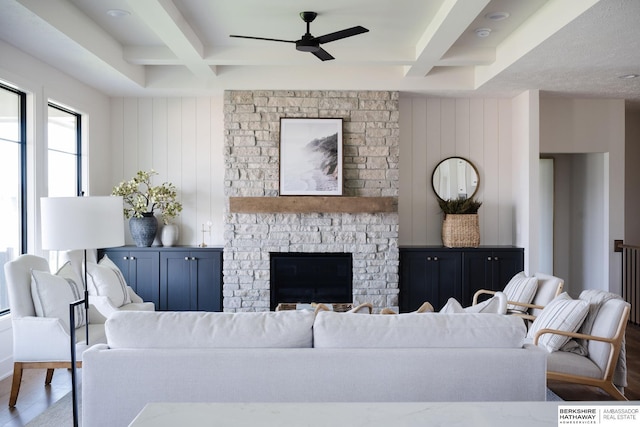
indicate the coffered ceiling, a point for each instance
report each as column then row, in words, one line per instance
column 162, row 47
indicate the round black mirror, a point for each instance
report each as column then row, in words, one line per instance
column 455, row 178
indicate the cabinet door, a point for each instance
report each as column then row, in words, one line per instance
column 489, row 270
column 177, row 290
column 432, row 276
column 144, row 276
column 444, row 277
column 206, row 273
column 506, row 264
column 477, row 274
column 413, row 280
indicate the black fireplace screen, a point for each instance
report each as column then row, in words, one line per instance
column 310, row 277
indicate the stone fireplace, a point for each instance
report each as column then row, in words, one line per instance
column 370, row 152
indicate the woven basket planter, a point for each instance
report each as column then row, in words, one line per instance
column 461, row 231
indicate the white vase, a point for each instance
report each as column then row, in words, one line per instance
column 169, row 234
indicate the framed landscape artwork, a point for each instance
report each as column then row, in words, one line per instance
column 310, row 157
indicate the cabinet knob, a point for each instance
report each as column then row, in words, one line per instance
column 435, row 258
column 125, row 258
column 488, row 258
column 189, row 258
column 428, row 258
column 495, row 258
column 132, row 258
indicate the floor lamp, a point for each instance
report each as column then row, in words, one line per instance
column 81, row 223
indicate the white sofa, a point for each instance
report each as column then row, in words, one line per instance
column 295, row 356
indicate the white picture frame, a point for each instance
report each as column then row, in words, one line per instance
column 311, row 157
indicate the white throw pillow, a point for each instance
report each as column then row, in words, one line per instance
column 103, row 281
column 497, row 305
column 520, row 288
column 52, row 294
column 106, row 261
column 562, row 313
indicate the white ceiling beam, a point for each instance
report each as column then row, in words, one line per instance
column 87, row 35
column 463, row 57
column 548, row 20
column 451, row 20
column 164, row 19
column 275, row 55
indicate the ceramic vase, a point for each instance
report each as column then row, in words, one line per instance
column 143, row 230
column 169, row 235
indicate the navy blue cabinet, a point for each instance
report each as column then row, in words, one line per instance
column 174, row 278
column 437, row 273
column 190, row 280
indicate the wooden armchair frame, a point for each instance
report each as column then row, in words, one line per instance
column 521, row 304
column 531, row 308
column 606, row 382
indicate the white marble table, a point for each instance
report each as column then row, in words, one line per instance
column 521, row 414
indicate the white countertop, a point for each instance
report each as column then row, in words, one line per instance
column 490, row 414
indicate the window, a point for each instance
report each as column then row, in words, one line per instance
column 64, row 162
column 12, row 177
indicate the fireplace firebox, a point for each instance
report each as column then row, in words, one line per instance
column 310, row 277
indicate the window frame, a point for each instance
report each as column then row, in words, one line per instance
column 22, row 143
column 78, row 116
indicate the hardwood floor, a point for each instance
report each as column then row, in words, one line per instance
column 34, row 397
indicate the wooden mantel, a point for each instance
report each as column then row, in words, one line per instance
column 313, row 204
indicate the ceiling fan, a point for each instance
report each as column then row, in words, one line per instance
column 309, row 43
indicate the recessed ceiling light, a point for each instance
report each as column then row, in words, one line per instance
column 483, row 32
column 497, row 16
column 629, row 76
column 117, row 13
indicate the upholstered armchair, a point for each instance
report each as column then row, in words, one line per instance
column 596, row 356
column 39, row 303
column 527, row 296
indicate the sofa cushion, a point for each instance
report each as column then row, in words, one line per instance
column 136, row 329
column 562, row 313
column 413, row 330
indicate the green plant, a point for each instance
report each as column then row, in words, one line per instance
column 141, row 197
column 459, row 206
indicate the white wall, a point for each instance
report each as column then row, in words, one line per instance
column 545, row 212
column 589, row 126
column 181, row 139
column 525, row 168
column 632, row 179
column 477, row 129
column 43, row 83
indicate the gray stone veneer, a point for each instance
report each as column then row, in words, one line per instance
column 370, row 157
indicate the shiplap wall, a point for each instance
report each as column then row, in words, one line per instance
column 432, row 129
column 182, row 140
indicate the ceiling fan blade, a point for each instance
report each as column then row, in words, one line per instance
column 263, row 38
column 353, row 31
column 323, row 54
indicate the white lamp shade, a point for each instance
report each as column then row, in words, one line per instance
column 70, row 223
